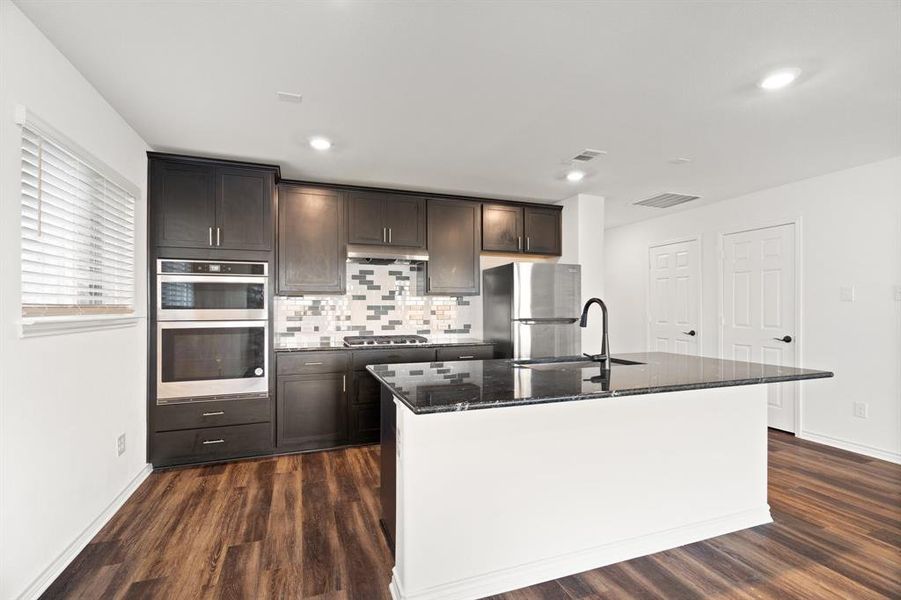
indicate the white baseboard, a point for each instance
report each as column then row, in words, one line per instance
column 43, row 581
column 892, row 457
column 524, row 575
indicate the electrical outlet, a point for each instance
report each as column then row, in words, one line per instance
column 861, row 410
column 120, row 445
column 846, row 293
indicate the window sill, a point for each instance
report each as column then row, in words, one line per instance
column 43, row 326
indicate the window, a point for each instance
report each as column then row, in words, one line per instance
column 78, row 234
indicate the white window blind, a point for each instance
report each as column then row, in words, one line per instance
column 78, row 234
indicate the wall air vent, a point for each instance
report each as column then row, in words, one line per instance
column 588, row 154
column 666, row 200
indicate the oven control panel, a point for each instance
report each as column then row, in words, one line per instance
column 202, row 267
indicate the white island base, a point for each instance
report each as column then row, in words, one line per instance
column 492, row 500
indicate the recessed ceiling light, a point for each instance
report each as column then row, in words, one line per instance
column 780, row 79
column 320, row 143
column 289, row 97
column 575, row 176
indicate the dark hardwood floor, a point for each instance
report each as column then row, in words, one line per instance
column 305, row 526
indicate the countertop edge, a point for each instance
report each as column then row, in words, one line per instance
column 597, row 395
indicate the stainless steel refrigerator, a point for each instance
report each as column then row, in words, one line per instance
column 531, row 310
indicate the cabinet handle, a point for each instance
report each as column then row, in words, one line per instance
column 528, row 243
column 310, row 364
column 389, row 235
column 519, row 242
column 466, row 357
column 384, row 235
column 214, row 414
column 208, row 442
column 344, row 383
column 429, row 284
column 218, row 236
column 211, row 235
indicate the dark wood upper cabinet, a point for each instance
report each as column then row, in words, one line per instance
column 366, row 218
column 526, row 229
column 454, row 239
column 386, row 219
column 183, row 204
column 312, row 247
column 312, row 411
column 405, row 218
column 201, row 203
column 502, row 228
column 244, row 208
column 541, row 227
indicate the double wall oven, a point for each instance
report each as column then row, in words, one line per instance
column 212, row 330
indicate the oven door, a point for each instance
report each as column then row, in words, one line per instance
column 196, row 297
column 211, row 358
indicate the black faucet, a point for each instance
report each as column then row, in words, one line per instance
column 604, row 356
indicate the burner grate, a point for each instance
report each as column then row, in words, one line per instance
column 384, row 340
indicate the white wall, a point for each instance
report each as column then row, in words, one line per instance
column 850, row 235
column 583, row 243
column 63, row 399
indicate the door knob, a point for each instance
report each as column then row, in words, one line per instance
column 692, row 333
column 786, row 338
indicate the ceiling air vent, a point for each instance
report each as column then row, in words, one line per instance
column 588, row 154
column 666, row 200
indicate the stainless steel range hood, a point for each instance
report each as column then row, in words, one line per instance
column 385, row 254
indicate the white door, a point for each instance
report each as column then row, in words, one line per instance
column 675, row 292
column 759, row 308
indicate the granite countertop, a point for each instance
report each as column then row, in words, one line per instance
column 337, row 343
column 469, row 385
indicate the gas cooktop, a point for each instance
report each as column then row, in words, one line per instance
column 384, row 340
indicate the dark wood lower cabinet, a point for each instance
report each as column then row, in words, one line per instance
column 364, row 423
column 312, row 411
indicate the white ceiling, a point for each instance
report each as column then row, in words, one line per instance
column 488, row 98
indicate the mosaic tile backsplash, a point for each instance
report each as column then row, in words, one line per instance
column 380, row 300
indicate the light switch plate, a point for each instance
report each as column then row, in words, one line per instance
column 846, row 293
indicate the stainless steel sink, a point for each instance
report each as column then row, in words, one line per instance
column 567, row 363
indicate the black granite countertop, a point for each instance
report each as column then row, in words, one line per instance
column 338, row 344
column 469, row 385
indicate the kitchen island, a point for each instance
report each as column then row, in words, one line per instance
column 499, row 474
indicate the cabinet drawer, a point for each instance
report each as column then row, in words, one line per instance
column 211, row 443
column 212, row 414
column 465, row 353
column 363, row 358
column 301, row 363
